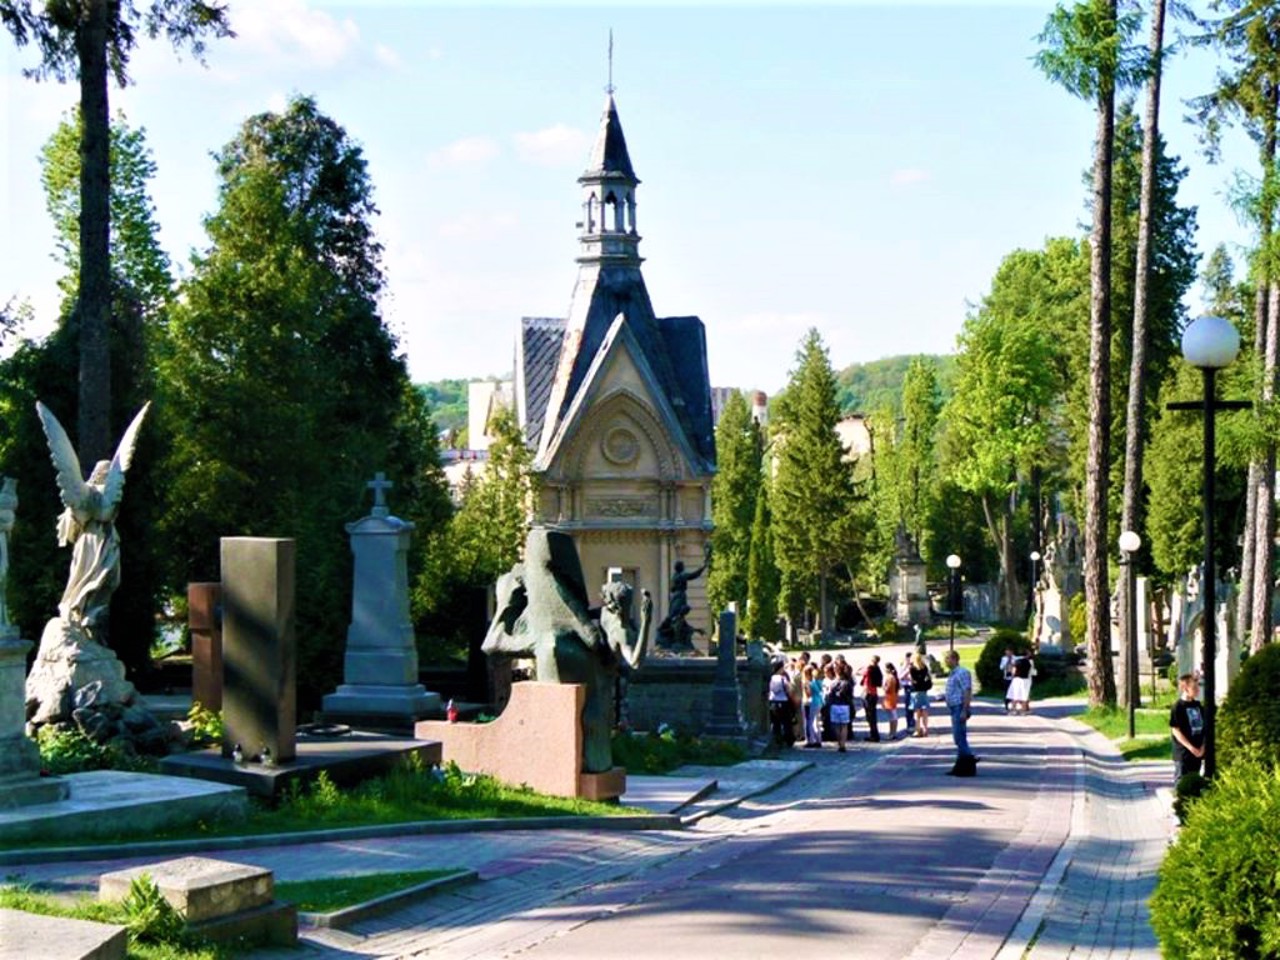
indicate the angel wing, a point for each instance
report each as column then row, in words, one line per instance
column 71, row 483
column 113, row 488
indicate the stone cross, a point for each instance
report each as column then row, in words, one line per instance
column 380, row 485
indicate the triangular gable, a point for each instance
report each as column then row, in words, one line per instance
column 620, row 338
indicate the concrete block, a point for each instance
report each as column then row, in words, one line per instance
column 274, row 923
column 609, row 785
column 199, row 888
column 24, row 936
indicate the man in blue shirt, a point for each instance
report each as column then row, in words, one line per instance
column 959, row 693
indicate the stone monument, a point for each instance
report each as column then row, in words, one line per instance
column 1060, row 580
column 542, row 612
column 726, row 707
column 675, row 633
column 380, row 669
column 259, row 698
column 908, row 589
column 73, row 653
column 20, row 780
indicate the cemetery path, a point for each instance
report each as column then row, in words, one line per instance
column 1049, row 853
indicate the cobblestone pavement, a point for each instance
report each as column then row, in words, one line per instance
column 1049, row 853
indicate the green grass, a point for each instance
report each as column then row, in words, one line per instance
column 334, row 893
column 1113, row 722
column 1149, row 749
column 656, row 753
column 411, row 792
column 85, row 908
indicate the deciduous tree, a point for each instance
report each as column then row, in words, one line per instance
column 739, row 452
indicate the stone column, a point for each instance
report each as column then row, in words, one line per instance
column 20, row 781
column 259, row 658
column 380, row 669
column 726, row 713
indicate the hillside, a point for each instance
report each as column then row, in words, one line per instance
column 868, row 387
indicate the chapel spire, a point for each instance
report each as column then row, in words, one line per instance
column 609, row 184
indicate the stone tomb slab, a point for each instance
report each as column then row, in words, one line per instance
column 101, row 801
column 27, row 935
column 347, row 760
column 199, row 888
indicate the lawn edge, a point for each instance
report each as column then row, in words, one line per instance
column 340, row 919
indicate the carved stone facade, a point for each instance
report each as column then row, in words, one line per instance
column 617, row 403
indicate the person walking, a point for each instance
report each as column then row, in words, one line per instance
column 1024, row 668
column 872, row 681
column 1186, row 726
column 959, row 694
column 891, row 689
column 921, row 682
column 1006, row 669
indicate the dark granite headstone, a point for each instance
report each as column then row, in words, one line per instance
column 259, row 698
column 726, row 713
column 204, row 620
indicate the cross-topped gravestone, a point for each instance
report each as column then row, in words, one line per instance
column 380, row 485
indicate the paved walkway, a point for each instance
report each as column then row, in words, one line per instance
column 1049, row 853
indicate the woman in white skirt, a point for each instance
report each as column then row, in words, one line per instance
column 1024, row 669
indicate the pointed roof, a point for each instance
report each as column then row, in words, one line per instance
column 609, row 157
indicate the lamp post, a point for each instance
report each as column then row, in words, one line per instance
column 953, row 585
column 1129, row 544
column 1209, row 343
column 1034, row 608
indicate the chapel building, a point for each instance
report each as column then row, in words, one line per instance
column 616, row 402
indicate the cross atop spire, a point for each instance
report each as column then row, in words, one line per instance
column 609, row 87
column 380, row 485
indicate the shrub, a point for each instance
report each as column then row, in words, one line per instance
column 206, row 725
column 1249, row 722
column 148, row 915
column 990, row 676
column 1218, row 894
column 1190, row 786
column 1077, row 619
column 68, row 750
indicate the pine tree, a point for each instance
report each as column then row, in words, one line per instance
column 739, row 452
column 761, row 621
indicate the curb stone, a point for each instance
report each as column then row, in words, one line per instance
column 338, row 919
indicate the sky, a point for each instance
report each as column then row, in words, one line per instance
column 857, row 168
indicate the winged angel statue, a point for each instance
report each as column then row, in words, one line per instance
column 88, row 522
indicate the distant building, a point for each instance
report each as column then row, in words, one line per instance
column 756, row 399
column 616, row 402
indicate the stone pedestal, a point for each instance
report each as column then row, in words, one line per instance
column 726, row 713
column 204, row 620
column 68, row 661
column 908, row 591
column 380, row 669
column 20, row 781
column 259, row 697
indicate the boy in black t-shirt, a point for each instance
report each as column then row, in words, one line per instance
column 1186, row 725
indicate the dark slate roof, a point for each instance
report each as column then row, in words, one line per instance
column 686, row 341
column 540, row 349
column 609, row 155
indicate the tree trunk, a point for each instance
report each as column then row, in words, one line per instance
column 1102, row 689
column 1135, row 414
column 1264, row 498
column 1000, row 530
column 94, row 306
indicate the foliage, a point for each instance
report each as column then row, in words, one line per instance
column 1218, row 893
column 448, row 402
column 305, row 405
column 148, row 915
column 990, row 676
column 655, row 753
column 137, row 259
column 206, row 725
column 812, row 496
column 335, row 893
column 763, row 579
column 739, row 465
column 1248, row 725
column 67, row 750
column 1113, row 723
column 1189, row 788
column 878, row 384
column 1087, row 46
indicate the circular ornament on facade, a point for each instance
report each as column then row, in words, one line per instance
column 620, row 446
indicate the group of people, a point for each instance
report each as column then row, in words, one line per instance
column 1019, row 670
column 817, row 700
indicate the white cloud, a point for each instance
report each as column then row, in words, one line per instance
column 386, row 56
column 907, row 176
column 290, row 30
column 467, row 152
column 555, row 146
